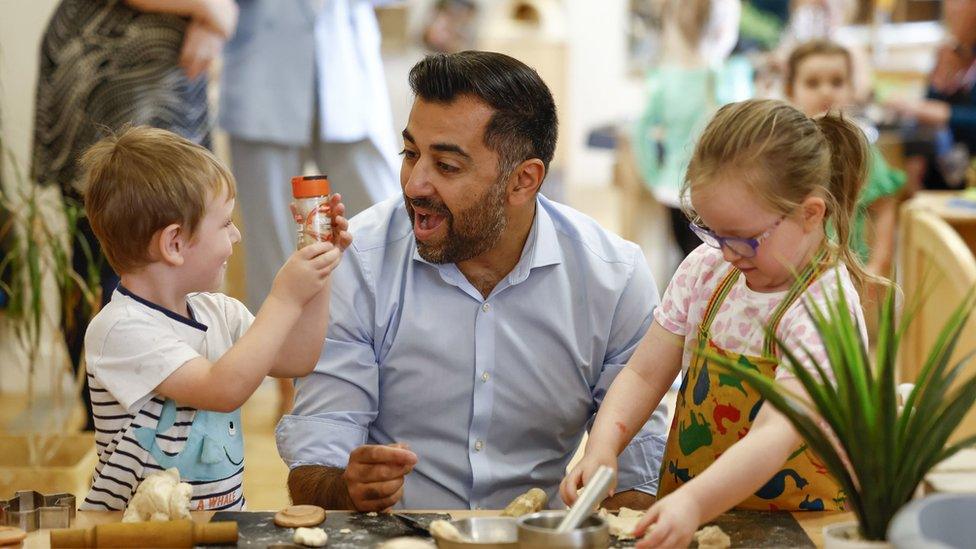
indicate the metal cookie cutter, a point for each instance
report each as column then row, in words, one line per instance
column 30, row 510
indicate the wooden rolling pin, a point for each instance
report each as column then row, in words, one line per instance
column 174, row 533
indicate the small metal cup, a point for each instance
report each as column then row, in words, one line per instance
column 538, row 531
column 483, row 533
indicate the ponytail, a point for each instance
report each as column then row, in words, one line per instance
column 848, row 172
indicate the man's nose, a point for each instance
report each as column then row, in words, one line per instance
column 416, row 182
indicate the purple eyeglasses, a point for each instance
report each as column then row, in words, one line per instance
column 744, row 247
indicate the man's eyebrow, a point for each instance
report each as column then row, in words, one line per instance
column 442, row 147
column 451, row 148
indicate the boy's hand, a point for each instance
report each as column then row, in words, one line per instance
column 583, row 472
column 671, row 522
column 304, row 274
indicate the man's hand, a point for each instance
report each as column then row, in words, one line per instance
column 374, row 475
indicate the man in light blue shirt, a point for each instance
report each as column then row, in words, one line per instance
column 476, row 325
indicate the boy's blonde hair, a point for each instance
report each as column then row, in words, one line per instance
column 141, row 179
column 809, row 49
column 785, row 157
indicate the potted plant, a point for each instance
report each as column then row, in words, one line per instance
column 878, row 450
column 39, row 289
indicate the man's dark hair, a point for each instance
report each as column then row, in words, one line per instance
column 524, row 124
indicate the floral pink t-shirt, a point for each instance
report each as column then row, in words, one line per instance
column 738, row 325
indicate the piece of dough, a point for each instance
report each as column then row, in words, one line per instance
column 312, row 537
column 445, row 530
column 10, row 535
column 295, row 516
column 712, row 537
column 622, row 524
column 160, row 497
column 406, row 543
column 530, row 502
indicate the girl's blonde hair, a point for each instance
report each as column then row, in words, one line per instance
column 786, row 156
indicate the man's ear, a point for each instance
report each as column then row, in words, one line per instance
column 814, row 208
column 526, row 180
column 169, row 245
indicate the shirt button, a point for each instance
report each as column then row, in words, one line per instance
column 484, row 377
column 478, row 445
column 486, row 307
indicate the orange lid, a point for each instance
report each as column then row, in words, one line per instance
column 307, row 186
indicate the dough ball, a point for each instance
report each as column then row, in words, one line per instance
column 312, row 537
column 406, row 543
column 712, row 537
column 160, row 497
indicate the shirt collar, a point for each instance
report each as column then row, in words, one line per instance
column 541, row 247
column 191, row 322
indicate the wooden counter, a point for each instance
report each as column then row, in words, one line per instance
column 812, row 523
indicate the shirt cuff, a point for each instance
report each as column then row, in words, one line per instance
column 639, row 465
column 304, row 440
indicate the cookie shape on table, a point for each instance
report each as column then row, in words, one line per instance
column 296, row 516
column 10, row 535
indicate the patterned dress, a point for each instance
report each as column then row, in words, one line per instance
column 104, row 65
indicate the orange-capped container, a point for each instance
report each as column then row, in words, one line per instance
column 312, row 197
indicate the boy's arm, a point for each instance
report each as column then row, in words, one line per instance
column 304, row 345
column 224, row 385
column 301, row 350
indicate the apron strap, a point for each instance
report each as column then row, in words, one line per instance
column 715, row 302
column 807, row 277
column 809, row 274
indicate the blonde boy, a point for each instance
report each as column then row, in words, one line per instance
column 169, row 362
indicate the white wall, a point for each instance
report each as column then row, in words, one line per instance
column 21, row 25
column 600, row 90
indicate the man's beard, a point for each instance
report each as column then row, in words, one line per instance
column 474, row 231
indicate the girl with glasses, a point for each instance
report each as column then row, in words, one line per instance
column 764, row 182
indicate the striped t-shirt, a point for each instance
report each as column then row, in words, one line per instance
column 131, row 346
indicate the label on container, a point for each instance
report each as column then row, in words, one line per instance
column 316, row 223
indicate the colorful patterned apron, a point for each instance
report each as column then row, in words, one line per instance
column 715, row 410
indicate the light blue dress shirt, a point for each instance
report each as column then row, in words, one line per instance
column 492, row 394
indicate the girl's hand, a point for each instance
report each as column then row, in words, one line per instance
column 583, row 472
column 671, row 522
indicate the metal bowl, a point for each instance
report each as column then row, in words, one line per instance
column 484, row 533
column 538, row 531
